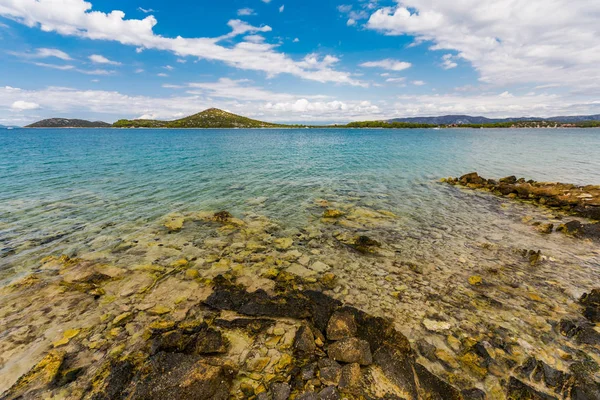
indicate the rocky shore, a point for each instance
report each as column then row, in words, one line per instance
column 580, row 201
column 209, row 306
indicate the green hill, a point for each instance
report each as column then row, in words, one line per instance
column 211, row 118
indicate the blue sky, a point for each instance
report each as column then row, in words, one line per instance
column 297, row 61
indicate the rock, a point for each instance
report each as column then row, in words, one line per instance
column 174, row 224
column 475, row 280
column 341, row 325
column 350, row 376
column 320, row 267
column 545, row 228
column 509, row 179
column 210, row 341
column 517, row 390
column 308, row 371
column 329, row 393
column 436, row 326
column 591, row 303
column 365, row 244
column 180, row 376
column 304, row 342
column 473, row 394
column 280, row 391
column 222, row 216
column 472, row 177
column 122, row 319
column 351, row 350
column 283, row 243
column 329, row 371
column 332, row 214
column 158, row 310
column 44, row 373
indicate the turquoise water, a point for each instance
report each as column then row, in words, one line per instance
column 62, row 188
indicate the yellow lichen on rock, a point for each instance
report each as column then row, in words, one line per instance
column 475, row 280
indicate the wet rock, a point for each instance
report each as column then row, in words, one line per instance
column 222, row 216
column 333, row 214
column 180, row 376
column 329, row 393
column 43, row 374
column 350, row 376
column 351, row 350
column 365, row 244
column 280, row 391
column 430, row 386
column 308, row 371
column 209, row 341
column 341, row 325
column 509, row 179
column 545, row 228
column 436, row 326
column 581, row 330
column 426, row 349
column 304, row 342
column 517, row 390
column 577, row 229
column 471, row 178
column 111, row 382
column 319, row 266
column 473, row 394
column 591, row 303
column 329, row 371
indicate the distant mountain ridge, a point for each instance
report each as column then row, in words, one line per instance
column 68, row 123
column 211, row 118
column 467, row 119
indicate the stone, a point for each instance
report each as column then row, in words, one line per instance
column 365, row 244
column 329, row 371
column 332, row 213
column 436, row 326
column 304, row 342
column 329, row 393
column 283, row 243
column 320, row 267
column 280, row 391
column 222, row 216
column 341, row 325
column 545, row 228
column 350, row 376
column 517, row 390
column 307, row 396
column 181, row 376
column 158, row 310
column 591, row 303
column 174, row 224
column 351, row 350
column 191, row 274
column 475, row 280
column 122, row 319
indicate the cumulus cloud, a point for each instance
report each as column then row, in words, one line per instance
column 76, row 18
column 98, row 59
column 507, row 41
column 389, row 64
column 21, row 105
column 447, row 62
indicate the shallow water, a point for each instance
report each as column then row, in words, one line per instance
column 103, row 195
column 61, row 187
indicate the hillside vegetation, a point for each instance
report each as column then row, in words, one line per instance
column 211, row 118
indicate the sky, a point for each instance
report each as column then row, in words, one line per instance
column 300, row 61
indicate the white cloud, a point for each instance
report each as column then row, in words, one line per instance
column 296, row 40
column 21, row 105
column 44, row 53
column 98, row 59
column 245, row 11
column 54, row 66
column 507, row 41
column 162, row 75
column 392, row 65
column 351, row 22
column 266, row 1
column 281, row 8
column 168, row 68
column 447, row 62
column 139, row 71
column 95, row 72
column 146, row 11
column 418, row 83
column 395, row 80
column 75, row 18
column 181, row 61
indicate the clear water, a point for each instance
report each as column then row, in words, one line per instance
column 103, row 196
column 59, row 187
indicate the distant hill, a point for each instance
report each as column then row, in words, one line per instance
column 467, row 119
column 68, row 123
column 211, row 118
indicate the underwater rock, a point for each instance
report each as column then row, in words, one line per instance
column 181, row 376
column 333, row 214
column 351, row 350
column 365, row 244
column 222, row 216
column 577, row 229
column 591, row 303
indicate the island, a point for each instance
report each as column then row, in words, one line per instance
column 68, row 123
